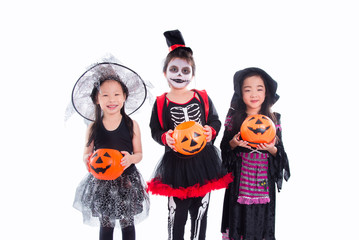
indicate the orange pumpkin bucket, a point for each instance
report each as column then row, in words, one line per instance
column 105, row 164
column 257, row 129
column 189, row 137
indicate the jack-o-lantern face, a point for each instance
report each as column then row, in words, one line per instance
column 258, row 129
column 190, row 138
column 105, row 164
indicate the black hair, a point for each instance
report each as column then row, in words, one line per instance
column 239, row 108
column 98, row 112
column 182, row 53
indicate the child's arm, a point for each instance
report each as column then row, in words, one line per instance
column 169, row 140
column 88, row 150
column 158, row 134
column 231, row 143
column 136, row 157
column 213, row 124
column 237, row 142
column 270, row 147
column 279, row 162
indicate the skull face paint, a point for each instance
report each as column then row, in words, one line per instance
column 179, row 73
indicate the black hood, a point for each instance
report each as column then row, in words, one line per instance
column 271, row 85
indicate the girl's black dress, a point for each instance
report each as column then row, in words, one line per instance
column 250, row 221
column 123, row 200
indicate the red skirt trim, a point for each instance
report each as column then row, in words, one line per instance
column 156, row 187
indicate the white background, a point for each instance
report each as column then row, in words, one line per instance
column 309, row 47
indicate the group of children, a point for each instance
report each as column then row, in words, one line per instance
column 108, row 92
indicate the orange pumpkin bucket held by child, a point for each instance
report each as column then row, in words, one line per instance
column 257, row 129
column 190, row 138
column 105, row 164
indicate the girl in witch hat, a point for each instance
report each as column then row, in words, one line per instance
column 186, row 180
column 106, row 94
column 249, row 202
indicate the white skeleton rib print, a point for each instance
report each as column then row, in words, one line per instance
column 180, row 114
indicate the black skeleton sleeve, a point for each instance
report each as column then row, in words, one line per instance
column 156, row 130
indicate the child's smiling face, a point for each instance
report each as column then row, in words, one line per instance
column 111, row 97
column 254, row 93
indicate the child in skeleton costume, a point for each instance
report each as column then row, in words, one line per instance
column 103, row 94
column 249, row 202
column 186, row 179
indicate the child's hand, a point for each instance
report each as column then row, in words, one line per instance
column 126, row 160
column 208, row 132
column 236, row 142
column 170, row 140
column 270, row 147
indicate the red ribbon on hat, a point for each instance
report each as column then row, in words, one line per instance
column 173, row 47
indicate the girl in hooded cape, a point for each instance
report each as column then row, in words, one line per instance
column 249, row 202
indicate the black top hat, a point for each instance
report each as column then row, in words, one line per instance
column 175, row 40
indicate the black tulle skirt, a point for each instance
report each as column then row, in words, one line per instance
column 109, row 202
column 189, row 176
